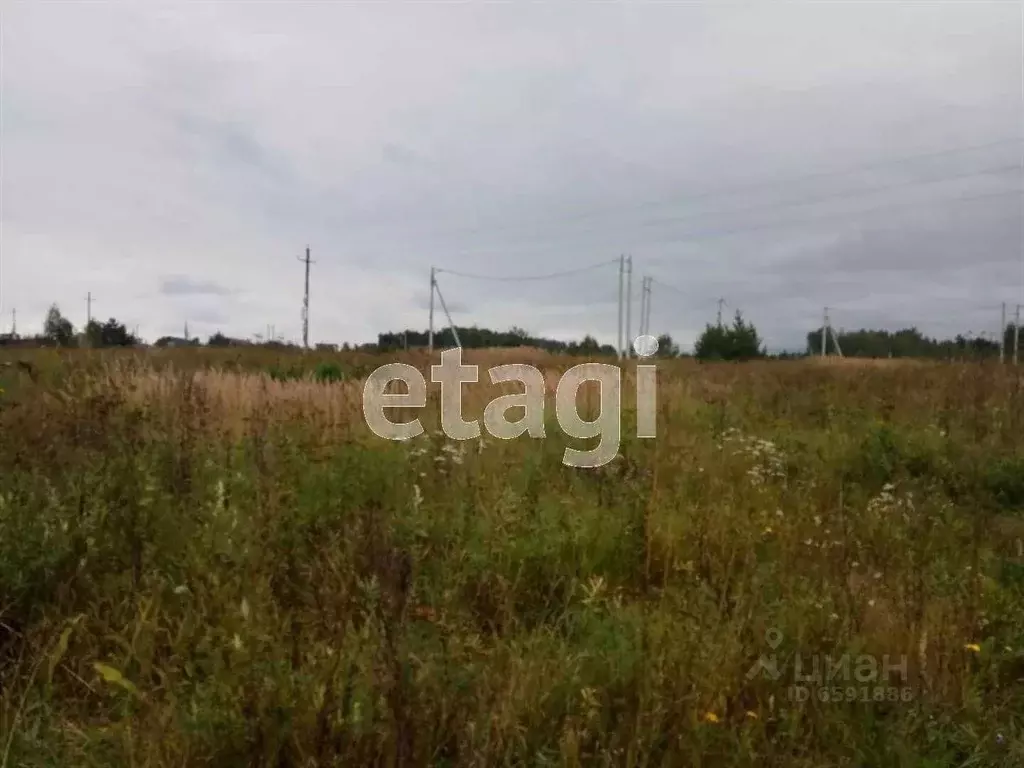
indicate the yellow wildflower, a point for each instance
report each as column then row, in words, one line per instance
column 973, row 647
column 710, row 717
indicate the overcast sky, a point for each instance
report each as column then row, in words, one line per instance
column 175, row 160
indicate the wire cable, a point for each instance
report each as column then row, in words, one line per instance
column 732, row 190
column 709, row 193
column 842, row 194
column 680, row 291
column 693, row 236
column 700, row 235
column 528, row 277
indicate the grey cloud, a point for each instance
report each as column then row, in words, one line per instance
column 456, row 307
column 511, row 140
column 207, row 316
column 400, row 155
column 181, row 285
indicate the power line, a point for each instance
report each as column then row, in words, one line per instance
column 746, row 186
column 838, row 172
column 854, row 305
column 670, row 287
column 888, row 206
column 435, row 289
column 712, row 233
column 841, row 195
column 528, row 278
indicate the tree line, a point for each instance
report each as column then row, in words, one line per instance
column 485, row 338
column 737, row 341
column 908, row 342
column 58, row 331
column 479, row 338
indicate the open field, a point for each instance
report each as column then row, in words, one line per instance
column 201, row 565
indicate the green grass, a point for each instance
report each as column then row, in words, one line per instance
column 187, row 579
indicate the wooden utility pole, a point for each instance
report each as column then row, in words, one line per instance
column 835, row 339
column 1002, row 336
column 645, row 307
column 305, row 303
column 622, row 279
column 88, row 308
column 629, row 302
column 433, row 289
column 824, row 333
column 1016, row 334
column 451, row 323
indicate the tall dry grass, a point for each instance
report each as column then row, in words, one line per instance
column 202, row 565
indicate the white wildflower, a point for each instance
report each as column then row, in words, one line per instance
column 593, row 589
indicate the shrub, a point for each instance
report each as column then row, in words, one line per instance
column 328, row 373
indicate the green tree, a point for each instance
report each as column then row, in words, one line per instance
column 667, row 347
column 739, row 341
column 115, row 334
column 906, row 342
column 218, row 340
column 93, row 335
column 589, row 345
column 108, row 334
column 57, row 328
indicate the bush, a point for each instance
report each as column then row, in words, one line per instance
column 328, row 373
column 290, row 373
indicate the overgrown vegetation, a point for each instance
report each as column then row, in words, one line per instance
column 202, row 565
column 736, row 342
